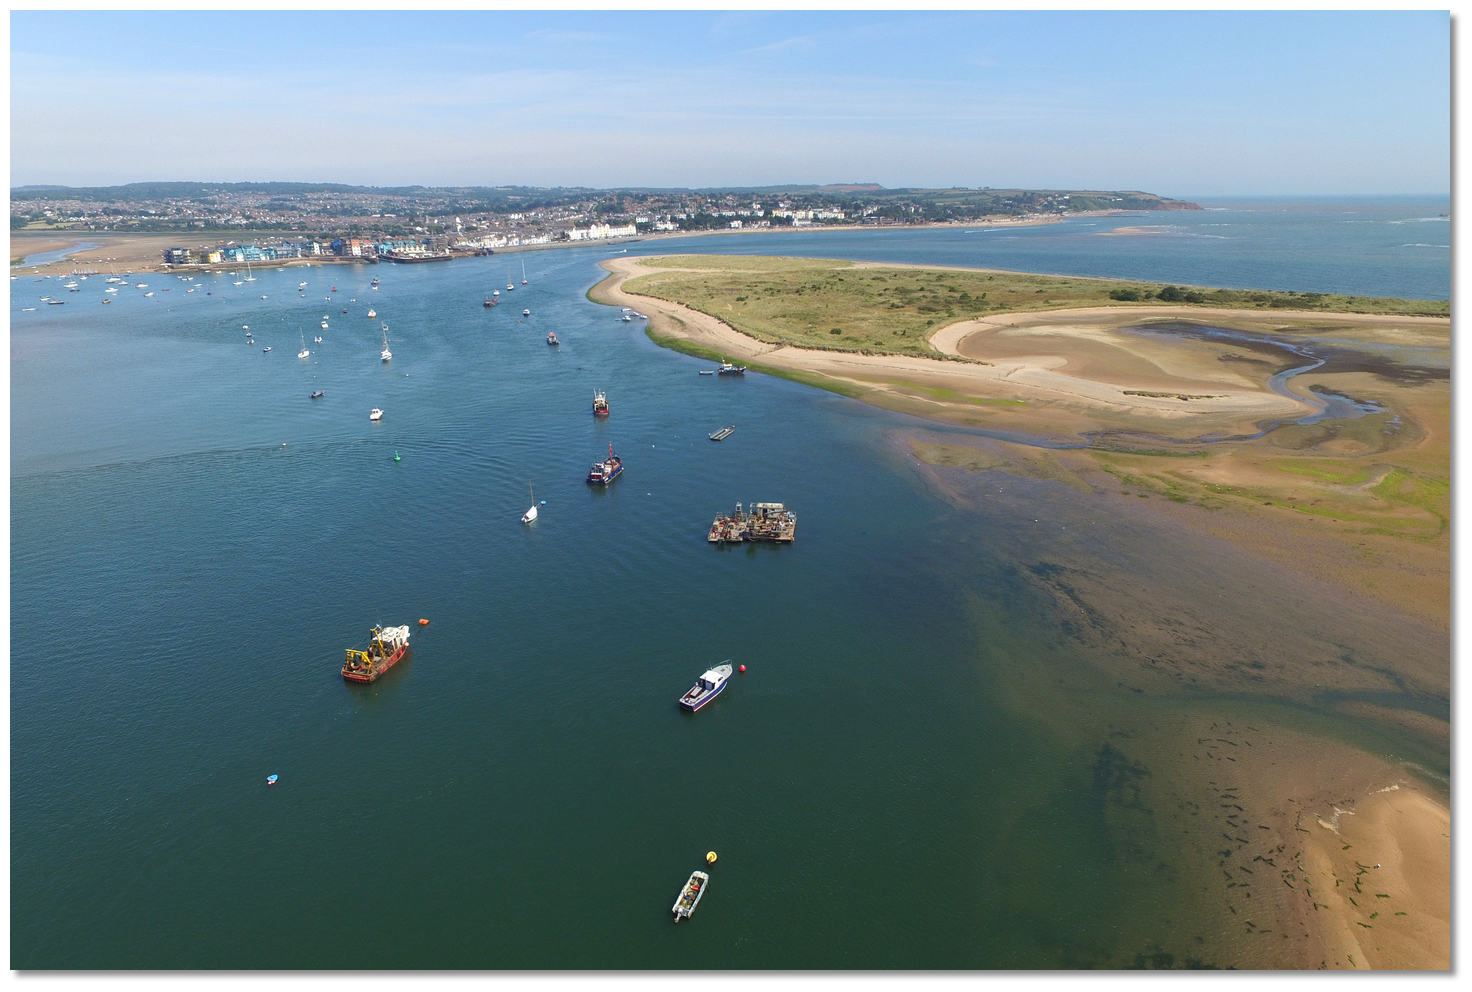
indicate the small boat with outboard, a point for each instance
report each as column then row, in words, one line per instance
column 690, row 895
column 604, row 472
column 317, row 395
column 375, row 414
column 600, row 404
column 373, row 283
column 552, row 338
column 526, row 313
column 723, row 433
column 488, row 303
column 706, row 688
column 386, row 647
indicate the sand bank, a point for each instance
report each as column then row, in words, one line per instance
column 1235, row 693
column 1151, row 399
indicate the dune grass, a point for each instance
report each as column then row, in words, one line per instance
column 837, row 305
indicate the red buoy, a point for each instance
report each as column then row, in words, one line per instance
column 743, row 668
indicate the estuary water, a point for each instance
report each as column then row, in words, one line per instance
column 195, row 542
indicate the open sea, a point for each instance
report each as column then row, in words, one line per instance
column 890, row 785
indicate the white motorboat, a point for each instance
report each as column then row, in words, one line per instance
column 526, row 313
column 375, row 414
column 690, row 895
column 706, row 688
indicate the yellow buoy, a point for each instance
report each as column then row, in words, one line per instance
column 710, row 857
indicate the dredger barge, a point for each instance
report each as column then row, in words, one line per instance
column 386, row 646
column 760, row 522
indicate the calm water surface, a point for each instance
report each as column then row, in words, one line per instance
column 194, row 542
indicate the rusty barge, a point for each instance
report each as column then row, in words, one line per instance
column 759, row 522
column 386, row 646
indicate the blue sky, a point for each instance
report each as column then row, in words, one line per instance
column 1174, row 103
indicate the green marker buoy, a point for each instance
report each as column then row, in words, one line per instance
column 396, row 456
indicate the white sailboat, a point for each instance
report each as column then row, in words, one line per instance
column 304, row 353
column 510, row 286
column 530, row 514
column 523, row 272
column 248, row 276
column 386, row 353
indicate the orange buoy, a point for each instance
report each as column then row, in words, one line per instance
column 423, row 623
column 743, row 668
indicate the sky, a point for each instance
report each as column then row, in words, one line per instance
column 1180, row 104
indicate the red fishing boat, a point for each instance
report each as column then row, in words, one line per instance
column 386, row 646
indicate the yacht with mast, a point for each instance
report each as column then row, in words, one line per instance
column 386, row 353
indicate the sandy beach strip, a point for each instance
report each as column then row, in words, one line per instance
column 1015, row 378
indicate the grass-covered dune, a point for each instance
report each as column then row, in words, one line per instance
column 893, row 309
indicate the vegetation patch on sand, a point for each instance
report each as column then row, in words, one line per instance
column 831, row 304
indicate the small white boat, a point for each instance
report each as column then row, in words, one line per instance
column 375, row 414
column 149, row 293
column 265, row 349
column 324, row 325
column 628, row 319
column 707, row 371
column 530, row 514
column 526, row 313
column 372, row 314
column 690, row 895
column 706, row 688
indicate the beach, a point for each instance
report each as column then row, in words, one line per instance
column 1068, row 376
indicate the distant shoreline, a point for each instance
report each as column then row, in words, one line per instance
column 143, row 252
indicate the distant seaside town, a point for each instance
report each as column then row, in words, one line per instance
column 273, row 221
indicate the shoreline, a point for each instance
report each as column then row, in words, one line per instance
column 1234, row 406
column 1318, row 503
column 159, row 241
column 1223, row 657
